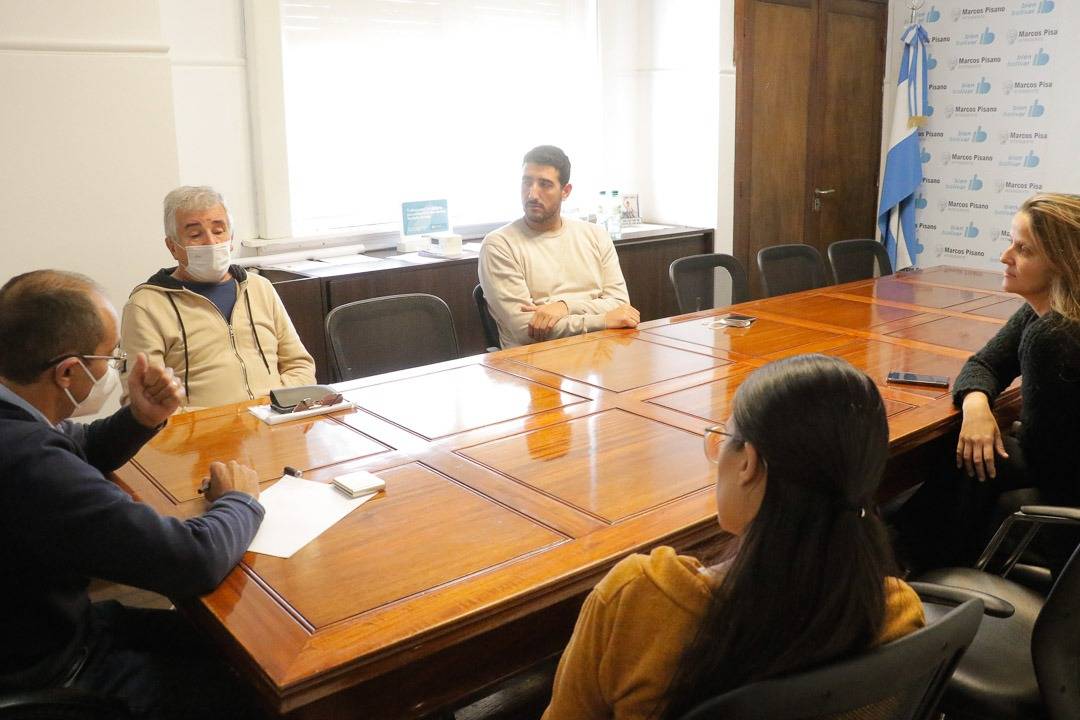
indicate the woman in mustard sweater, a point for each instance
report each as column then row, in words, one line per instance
column 798, row 466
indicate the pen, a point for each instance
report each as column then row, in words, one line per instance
column 292, row 471
column 204, row 486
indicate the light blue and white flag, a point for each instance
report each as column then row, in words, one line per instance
column 903, row 168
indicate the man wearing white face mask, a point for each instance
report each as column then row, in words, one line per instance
column 222, row 330
column 62, row 521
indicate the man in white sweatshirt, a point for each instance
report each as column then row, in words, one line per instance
column 545, row 276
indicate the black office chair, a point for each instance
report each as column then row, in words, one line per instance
column 1025, row 665
column 851, row 260
column 60, row 704
column 368, row 337
column 790, row 268
column 491, row 328
column 902, row 680
column 695, row 279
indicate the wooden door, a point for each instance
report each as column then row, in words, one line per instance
column 808, row 122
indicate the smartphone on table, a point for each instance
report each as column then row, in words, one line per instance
column 901, row 377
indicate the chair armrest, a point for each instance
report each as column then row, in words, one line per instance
column 948, row 595
column 63, row 701
column 1050, row 513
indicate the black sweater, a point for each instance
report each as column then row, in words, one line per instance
column 1046, row 352
column 62, row 522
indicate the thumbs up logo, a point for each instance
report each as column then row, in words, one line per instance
column 1046, row 6
column 1036, row 110
column 987, row 37
column 979, row 135
column 928, row 110
column 920, row 202
column 971, row 231
column 1040, row 58
column 1031, row 159
column 983, row 87
column 975, row 183
column 931, row 62
column 924, row 156
column 934, row 15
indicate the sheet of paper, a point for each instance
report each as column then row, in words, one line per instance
column 297, row 512
column 268, row 416
column 472, row 246
column 414, row 258
column 299, row 266
column 642, row 227
column 353, row 259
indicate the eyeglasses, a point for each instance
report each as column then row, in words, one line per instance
column 326, row 401
column 117, row 360
column 714, row 439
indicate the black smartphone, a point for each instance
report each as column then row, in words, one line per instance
column 738, row 317
column 908, row 378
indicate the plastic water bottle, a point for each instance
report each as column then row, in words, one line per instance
column 614, row 217
column 602, row 209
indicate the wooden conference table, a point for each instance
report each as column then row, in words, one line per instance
column 515, row 480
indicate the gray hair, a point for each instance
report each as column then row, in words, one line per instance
column 187, row 198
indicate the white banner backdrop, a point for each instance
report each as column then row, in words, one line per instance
column 1003, row 119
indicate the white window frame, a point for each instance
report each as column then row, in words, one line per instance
column 266, row 90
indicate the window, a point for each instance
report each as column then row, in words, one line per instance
column 393, row 100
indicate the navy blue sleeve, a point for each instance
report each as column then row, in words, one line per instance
column 110, row 442
column 64, row 514
column 997, row 364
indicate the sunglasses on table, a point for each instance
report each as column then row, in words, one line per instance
column 310, row 404
column 733, row 320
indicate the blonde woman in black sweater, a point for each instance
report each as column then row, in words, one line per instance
column 1041, row 343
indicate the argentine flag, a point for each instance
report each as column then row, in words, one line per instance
column 903, row 168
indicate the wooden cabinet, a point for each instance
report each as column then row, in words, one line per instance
column 308, row 298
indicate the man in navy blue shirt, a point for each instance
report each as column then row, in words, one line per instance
column 63, row 522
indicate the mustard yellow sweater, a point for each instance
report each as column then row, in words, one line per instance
column 636, row 624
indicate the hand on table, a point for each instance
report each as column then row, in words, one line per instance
column 154, row 393
column 227, row 477
column 624, row 316
column 544, row 317
column 980, row 438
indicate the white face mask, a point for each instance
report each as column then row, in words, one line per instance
column 104, row 386
column 208, row 263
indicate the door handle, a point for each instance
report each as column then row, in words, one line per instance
column 821, row 192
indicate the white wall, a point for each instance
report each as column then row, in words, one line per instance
column 670, row 92
column 210, row 97
column 87, row 138
column 113, row 103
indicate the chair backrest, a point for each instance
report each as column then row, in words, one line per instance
column 695, row 281
column 851, row 260
column 368, row 337
column 790, row 268
column 1055, row 644
column 902, row 680
column 491, row 329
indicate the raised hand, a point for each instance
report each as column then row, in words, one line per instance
column 153, row 392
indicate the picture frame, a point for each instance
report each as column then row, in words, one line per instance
column 631, row 211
